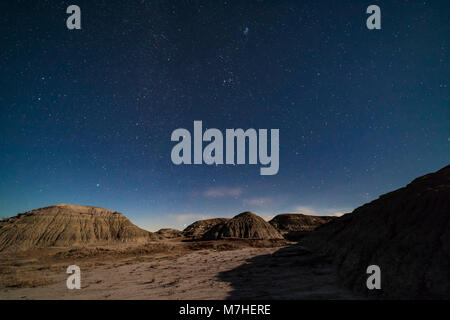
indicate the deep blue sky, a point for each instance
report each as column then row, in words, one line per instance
column 86, row 116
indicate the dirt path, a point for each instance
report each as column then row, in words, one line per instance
column 253, row 273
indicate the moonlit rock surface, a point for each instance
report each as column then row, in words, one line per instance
column 65, row 225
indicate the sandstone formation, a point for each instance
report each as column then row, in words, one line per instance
column 197, row 229
column 405, row 232
column 168, row 233
column 65, row 225
column 246, row 225
column 295, row 225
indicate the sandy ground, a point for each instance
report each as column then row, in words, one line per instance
column 288, row 272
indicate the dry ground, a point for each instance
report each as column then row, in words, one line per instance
column 172, row 270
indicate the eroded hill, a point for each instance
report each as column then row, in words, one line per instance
column 68, row 225
column 405, row 232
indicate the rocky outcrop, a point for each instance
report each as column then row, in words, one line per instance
column 168, row 233
column 197, row 229
column 66, row 225
column 405, row 232
column 293, row 226
column 246, row 225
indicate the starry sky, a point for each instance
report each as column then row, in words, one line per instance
column 86, row 115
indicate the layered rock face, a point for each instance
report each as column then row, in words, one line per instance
column 67, row 225
column 295, row 225
column 197, row 229
column 169, row 233
column 246, row 225
column 405, row 232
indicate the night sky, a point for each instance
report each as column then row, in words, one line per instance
column 86, row 115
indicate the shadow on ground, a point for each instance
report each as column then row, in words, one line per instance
column 291, row 272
